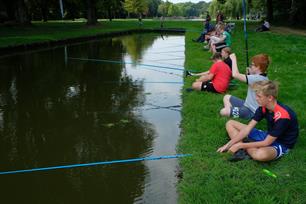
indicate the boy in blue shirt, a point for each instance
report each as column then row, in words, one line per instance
column 280, row 137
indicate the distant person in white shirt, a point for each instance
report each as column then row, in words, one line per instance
column 264, row 27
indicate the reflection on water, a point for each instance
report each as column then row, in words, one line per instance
column 55, row 111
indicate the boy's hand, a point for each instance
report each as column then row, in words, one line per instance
column 234, row 148
column 223, row 148
column 232, row 56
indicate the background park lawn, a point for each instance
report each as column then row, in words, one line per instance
column 207, row 176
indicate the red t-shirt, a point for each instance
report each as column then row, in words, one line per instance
column 222, row 76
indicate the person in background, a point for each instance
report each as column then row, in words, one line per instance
column 208, row 28
column 225, row 53
column 264, row 27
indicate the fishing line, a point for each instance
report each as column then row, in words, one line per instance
column 95, row 163
column 171, row 64
column 164, row 52
column 123, row 62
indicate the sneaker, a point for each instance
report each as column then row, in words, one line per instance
column 239, row 155
column 188, row 73
column 206, row 47
column 189, row 89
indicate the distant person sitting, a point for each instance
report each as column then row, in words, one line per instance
column 224, row 40
column 236, row 107
column 264, row 27
column 220, row 17
column 208, row 28
column 215, row 80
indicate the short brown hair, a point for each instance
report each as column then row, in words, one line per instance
column 266, row 87
column 262, row 61
column 216, row 56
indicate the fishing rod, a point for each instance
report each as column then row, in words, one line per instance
column 124, row 62
column 245, row 32
column 96, row 163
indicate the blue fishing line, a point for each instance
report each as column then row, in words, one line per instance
column 123, row 62
column 96, row 163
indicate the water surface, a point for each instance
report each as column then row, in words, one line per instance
column 59, row 111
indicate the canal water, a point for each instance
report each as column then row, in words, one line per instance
column 59, row 108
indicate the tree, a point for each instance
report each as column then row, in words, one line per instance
column 91, row 12
column 173, row 10
column 138, row 7
column 270, row 10
column 163, row 8
column 153, row 7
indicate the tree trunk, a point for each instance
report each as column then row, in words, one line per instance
column 293, row 12
column 269, row 10
column 91, row 12
column 44, row 10
column 10, row 10
column 21, row 13
column 110, row 16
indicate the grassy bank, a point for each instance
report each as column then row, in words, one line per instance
column 208, row 176
column 57, row 30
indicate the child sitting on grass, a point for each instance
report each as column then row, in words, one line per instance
column 236, row 107
column 280, row 137
column 225, row 53
column 216, row 79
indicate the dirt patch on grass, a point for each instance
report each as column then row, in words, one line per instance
column 286, row 31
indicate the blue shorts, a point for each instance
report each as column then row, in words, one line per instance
column 259, row 135
column 239, row 110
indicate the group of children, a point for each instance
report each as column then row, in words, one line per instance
column 261, row 102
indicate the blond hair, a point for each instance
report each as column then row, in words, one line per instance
column 227, row 50
column 266, row 87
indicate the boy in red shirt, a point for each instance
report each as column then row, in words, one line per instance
column 215, row 80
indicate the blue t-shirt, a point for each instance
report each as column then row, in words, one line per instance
column 282, row 123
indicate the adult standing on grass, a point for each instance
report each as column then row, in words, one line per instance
column 280, row 137
column 216, row 79
column 236, row 107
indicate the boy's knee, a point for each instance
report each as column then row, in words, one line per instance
column 196, row 85
column 224, row 112
column 262, row 155
column 226, row 98
column 229, row 124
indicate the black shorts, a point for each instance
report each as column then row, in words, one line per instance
column 220, row 46
column 208, row 86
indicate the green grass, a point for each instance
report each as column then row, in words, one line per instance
column 207, row 176
column 58, row 30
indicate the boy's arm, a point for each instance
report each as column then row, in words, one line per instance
column 268, row 141
column 242, row 134
column 200, row 74
column 235, row 71
column 207, row 77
